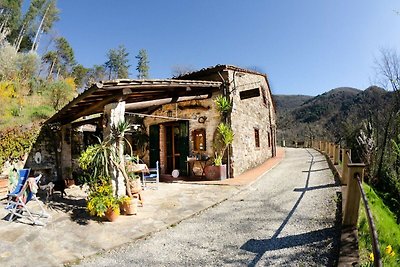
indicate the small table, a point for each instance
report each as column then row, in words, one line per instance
column 202, row 162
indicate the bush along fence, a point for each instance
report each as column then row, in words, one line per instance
column 352, row 175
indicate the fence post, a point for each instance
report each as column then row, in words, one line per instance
column 320, row 146
column 353, row 195
column 329, row 148
column 345, row 168
column 332, row 152
column 336, row 155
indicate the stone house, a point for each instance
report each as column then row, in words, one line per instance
column 179, row 116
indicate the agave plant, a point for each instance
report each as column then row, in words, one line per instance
column 223, row 105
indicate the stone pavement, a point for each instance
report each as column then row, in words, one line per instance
column 71, row 235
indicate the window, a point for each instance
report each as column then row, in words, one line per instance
column 249, row 93
column 257, row 137
column 199, row 140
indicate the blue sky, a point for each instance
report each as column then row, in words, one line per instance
column 305, row 47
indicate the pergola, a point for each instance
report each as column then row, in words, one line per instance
column 111, row 99
column 142, row 96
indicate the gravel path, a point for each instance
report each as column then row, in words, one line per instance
column 286, row 218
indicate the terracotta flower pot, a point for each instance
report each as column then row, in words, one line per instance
column 215, row 172
column 111, row 215
column 130, row 208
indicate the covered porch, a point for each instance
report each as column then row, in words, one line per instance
column 162, row 109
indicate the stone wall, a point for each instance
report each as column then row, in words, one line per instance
column 248, row 115
column 191, row 110
column 45, row 153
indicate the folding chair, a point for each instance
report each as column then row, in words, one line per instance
column 24, row 192
column 153, row 176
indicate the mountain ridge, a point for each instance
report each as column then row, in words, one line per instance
column 300, row 117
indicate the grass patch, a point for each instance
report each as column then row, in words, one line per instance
column 387, row 228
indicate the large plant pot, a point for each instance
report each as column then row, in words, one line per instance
column 111, row 215
column 136, row 186
column 215, row 173
column 130, row 208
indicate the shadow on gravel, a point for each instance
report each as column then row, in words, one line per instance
column 260, row 247
column 319, row 170
column 315, row 187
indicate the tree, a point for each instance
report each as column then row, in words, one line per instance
column 49, row 15
column 10, row 14
column 60, row 93
column 95, row 74
column 66, row 57
column 26, row 28
column 143, row 64
column 62, row 60
column 79, row 72
column 179, row 70
column 117, row 63
column 388, row 69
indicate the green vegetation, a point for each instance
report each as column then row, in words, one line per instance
column 223, row 105
column 33, row 87
column 223, row 136
column 143, row 64
column 387, row 228
column 15, row 143
column 101, row 198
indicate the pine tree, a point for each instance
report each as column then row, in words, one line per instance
column 143, row 64
column 117, row 63
column 49, row 15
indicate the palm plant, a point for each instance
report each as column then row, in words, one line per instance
column 224, row 139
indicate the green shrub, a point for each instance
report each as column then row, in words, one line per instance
column 15, row 143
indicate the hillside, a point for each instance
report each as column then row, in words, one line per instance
column 325, row 115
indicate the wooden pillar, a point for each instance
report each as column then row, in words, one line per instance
column 114, row 113
column 163, row 150
column 336, row 155
column 353, row 195
column 345, row 169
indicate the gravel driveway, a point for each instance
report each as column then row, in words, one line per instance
column 286, row 218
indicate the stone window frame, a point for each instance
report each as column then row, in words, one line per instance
column 257, row 137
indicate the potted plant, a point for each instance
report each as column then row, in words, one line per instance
column 101, row 201
column 97, row 161
column 128, row 205
column 222, row 140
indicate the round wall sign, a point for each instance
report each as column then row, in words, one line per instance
column 38, row 157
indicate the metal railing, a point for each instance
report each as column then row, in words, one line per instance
column 371, row 224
